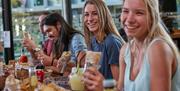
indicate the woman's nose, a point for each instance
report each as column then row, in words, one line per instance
column 130, row 18
column 90, row 17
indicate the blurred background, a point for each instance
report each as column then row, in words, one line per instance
column 24, row 14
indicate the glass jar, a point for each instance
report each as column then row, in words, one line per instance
column 33, row 78
column 75, row 79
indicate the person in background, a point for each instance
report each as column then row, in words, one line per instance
column 122, row 33
column 40, row 19
column 30, row 44
column 150, row 59
column 1, row 47
column 142, row 67
column 102, row 36
column 64, row 37
column 1, row 51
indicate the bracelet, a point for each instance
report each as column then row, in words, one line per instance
column 36, row 49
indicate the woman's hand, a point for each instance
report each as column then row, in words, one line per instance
column 29, row 44
column 93, row 79
column 46, row 60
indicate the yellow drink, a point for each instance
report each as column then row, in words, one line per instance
column 34, row 81
column 75, row 81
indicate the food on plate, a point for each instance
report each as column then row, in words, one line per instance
column 11, row 83
column 21, row 70
column 52, row 87
column 25, row 84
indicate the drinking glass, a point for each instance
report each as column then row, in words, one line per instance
column 92, row 59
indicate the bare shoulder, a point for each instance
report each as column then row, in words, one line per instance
column 160, row 51
column 123, row 48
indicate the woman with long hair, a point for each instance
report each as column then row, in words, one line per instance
column 65, row 38
column 150, row 59
column 101, row 35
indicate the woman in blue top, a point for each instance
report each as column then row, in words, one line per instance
column 150, row 60
column 102, row 36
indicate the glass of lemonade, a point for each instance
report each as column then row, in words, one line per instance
column 75, row 79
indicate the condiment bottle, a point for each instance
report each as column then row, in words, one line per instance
column 40, row 72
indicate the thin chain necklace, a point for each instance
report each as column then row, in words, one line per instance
column 136, row 55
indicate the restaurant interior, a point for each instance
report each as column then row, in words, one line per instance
column 20, row 15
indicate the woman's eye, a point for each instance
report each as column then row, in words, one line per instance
column 124, row 11
column 140, row 13
column 95, row 13
column 86, row 14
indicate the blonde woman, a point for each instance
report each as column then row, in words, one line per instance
column 150, row 60
column 102, row 36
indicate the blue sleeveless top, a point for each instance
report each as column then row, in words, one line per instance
column 142, row 80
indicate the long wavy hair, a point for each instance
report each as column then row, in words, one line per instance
column 157, row 27
column 65, row 34
column 106, row 25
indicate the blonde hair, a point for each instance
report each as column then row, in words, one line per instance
column 157, row 28
column 106, row 25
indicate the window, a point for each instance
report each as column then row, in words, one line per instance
column 26, row 19
column 38, row 2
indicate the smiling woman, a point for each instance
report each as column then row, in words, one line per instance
column 101, row 36
column 142, row 67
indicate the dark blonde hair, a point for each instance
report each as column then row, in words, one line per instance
column 106, row 25
column 158, row 28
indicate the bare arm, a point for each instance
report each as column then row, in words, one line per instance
column 160, row 66
column 120, row 84
column 115, row 71
column 29, row 44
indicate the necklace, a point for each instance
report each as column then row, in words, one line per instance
column 136, row 55
column 136, row 59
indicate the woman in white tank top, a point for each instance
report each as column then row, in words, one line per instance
column 149, row 61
